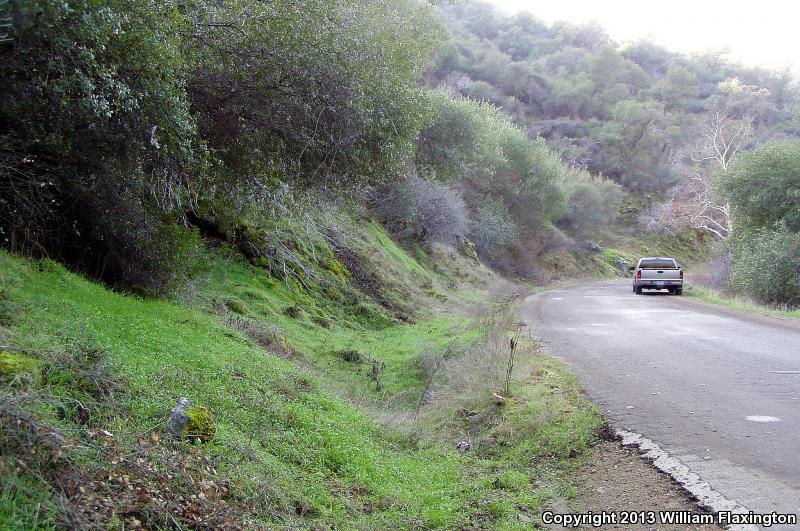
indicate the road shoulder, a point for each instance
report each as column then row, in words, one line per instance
column 617, row 479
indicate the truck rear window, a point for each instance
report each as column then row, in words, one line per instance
column 658, row 264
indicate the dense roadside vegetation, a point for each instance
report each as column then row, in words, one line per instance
column 635, row 113
column 127, row 128
column 126, row 125
column 758, row 260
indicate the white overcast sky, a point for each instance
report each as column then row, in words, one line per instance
column 758, row 32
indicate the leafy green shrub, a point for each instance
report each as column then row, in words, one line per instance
column 136, row 246
column 592, row 203
column 162, row 110
column 460, row 140
column 766, row 266
column 310, row 90
column 98, row 155
column 764, row 186
column 530, row 181
column 510, row 183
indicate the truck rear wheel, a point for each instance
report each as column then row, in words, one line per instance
column 678, row 291
column 637, row 290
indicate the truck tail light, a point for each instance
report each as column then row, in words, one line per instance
column 638, row 273
column 681, row 274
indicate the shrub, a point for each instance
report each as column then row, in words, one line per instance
column 529, row 180
column 97, row 156
column 460, row 140
column 476, row 144
column 120, row 116
column 424, row 211
column 312, row 90
column 592, row 203
column 766, row 266
column 127, row 242
column 491, row 227
column 764, row 186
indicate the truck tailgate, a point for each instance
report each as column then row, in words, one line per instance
column 660, row 274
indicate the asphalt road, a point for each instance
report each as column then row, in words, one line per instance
column 716, row 388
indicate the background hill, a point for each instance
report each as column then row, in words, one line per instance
column 630, row 113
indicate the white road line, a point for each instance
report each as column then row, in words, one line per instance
column 762, row 418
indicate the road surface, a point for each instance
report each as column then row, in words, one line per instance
column 716, row 388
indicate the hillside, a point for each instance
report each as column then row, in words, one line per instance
column 635, row 112
column 324, row 413
column 258, row 208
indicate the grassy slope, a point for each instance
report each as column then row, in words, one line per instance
column 688, row 247
column 296, row 453
column 625, row 242
column 714, row 297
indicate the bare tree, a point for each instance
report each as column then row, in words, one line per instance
column 724, row 132
column 707, row 210
column 727, row 128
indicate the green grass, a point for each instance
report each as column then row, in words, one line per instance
column 394, row 254
column 25, row 504
column 162, row 351
column 352, row 324
column 553, row 417
column 619, row 260
column 297, row 453
column 715, row 297
column 627, row 241
column 688, row 247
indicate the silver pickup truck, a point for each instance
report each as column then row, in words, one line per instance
column 658, row 273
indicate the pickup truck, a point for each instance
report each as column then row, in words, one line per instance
column 658, row 273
